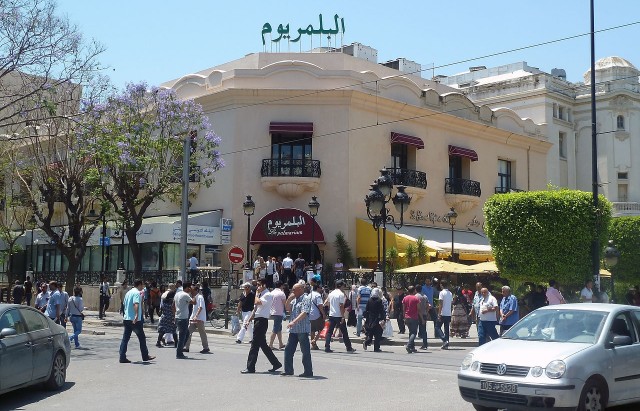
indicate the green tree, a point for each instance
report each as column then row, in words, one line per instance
column 411, row 254
column 545, row 234
column 343, row 250
column 137, row 138
column 625, row 233
column 392, row 259
column 421, row 250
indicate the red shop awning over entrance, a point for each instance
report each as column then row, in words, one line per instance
column 286, row 226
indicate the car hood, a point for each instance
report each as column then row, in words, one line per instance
column 525, row 353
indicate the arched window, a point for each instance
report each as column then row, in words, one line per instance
column 620, row 122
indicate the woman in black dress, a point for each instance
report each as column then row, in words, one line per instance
column 375, row 317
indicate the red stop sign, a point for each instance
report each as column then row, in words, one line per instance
column 236, row 255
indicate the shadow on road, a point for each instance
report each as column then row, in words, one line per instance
column 18, row 399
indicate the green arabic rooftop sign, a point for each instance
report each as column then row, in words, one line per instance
column 283, row 31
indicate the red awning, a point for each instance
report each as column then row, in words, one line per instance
column 407, row 139
column 463, row 152
column 283, row 127
column 287, row 226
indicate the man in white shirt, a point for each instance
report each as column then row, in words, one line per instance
column 260, row 318
column 336, row 301
column 105, row 297
column 43, row 297
column 488, row 318
column 586, row 295
column 444, row 312
column 277, row 314
column 287, row 268
column 198, row 317
column 181, row 302
column 271, row 271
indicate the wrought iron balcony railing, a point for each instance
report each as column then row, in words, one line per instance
column 409, row 178
column 275, row 167
column 503, row 190
column 462, row 186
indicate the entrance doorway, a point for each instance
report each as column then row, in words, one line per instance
column 281, row 250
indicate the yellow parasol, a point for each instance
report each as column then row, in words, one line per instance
column 440, row 266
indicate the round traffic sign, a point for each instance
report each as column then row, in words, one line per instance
column 236, row 255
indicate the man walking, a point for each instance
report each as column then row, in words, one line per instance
column 487, row 327
column 193, row 267
column 17, row 293
column 43, row 297
column 28, row 289
column 277, row 313
column 428, row 290
column 444, row 312
column 508, row 309
column 181, row 302
column 271, row 271
column 260, row 318
column 362, row 297
column 133, row 316
column 287, row 268
column 299, row 304
column 105, row 297
column 423, row 309
column 411, row 317
column 196, row 322
column 554, row 296
column 336, row 301
column 397, row 309
column 298, row 267
column 54, row 306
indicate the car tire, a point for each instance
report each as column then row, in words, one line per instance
column 58, row 374
column 483, row 408
column 594, row 396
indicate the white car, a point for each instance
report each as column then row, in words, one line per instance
column 561, row 357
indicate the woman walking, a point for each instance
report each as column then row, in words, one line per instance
column 167, row 323
column 375, row 318
column 459, row 318
column 75, row 310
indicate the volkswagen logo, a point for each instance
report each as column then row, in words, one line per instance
column 502, row 369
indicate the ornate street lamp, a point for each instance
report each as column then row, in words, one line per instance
column 314, row 205
column 248, row 207
column 452, row 217
column 611, row 256
column 377, row 211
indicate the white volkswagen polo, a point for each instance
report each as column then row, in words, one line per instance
column 561, row 357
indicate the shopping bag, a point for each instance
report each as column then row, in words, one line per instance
column 388, row 330
column 235, row 325
column 325, row 330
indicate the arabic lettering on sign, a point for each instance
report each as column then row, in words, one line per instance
column 283, row 31
column 281, row 228
column 434, row 218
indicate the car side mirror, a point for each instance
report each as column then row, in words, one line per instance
column 619, row 340
column 7, row 332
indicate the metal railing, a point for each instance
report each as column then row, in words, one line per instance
column 504, row 190
column 462, row 186
column 409, row 178
column 276, row 167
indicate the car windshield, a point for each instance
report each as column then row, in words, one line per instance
column 576, row 326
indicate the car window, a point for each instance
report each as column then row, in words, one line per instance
column 577, row 326
column 33, row 320
column 636, row 314
column 12, row 319
column 622, row 325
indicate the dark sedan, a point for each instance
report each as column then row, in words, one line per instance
column 33, row 349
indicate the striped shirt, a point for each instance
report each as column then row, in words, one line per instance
column 300, row 305
column 364, row 292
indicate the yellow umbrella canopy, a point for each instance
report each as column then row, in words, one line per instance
column 488, row 266
column 605, row 273
column 440, row 266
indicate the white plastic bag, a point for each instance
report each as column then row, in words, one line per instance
column 235, row 325
column 388, row 330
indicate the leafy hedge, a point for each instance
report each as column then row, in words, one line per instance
column 625, row 233
column 539, row 235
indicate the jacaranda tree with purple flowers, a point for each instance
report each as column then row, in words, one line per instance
column 137, row 138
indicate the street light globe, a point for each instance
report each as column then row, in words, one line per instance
column 314, row 205
column 385, row 183
column 374, row 201
column 452, row 216
column 611, row 254
column 401, row 200
column 248, row 207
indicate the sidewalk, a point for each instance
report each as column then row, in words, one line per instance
column 115, row 320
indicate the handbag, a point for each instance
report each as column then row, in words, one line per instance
column 325, row 330
column 276, row 277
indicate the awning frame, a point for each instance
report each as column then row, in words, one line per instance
column 463, row 152
column 407, row 139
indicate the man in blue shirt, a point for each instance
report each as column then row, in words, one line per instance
column 508, row 310
column 299, row 304
column 133, row 317
column 54, row 307
column 427, row 291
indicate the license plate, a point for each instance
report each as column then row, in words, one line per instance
column 498, row 387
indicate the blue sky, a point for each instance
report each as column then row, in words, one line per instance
column 157, row 41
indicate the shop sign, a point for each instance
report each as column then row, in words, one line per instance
column 435, row 218
column 283, row 31
column 286, row 225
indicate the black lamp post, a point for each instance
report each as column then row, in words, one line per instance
column 314, row 205
column 611, row 255
column 248, row 207
column 452, row 217
column 377, row 211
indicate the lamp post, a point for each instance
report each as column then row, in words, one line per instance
column 34, row 251
column 377, row 211
column 611, row 255
column 452, row 217
column 248, row 207
column 314, row 205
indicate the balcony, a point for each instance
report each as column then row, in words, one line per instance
column 626, row 209
column 505, row 190
column 290, row 178
column 462, row 194
column 409, row 178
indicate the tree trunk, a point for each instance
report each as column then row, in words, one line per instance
column 134, row 246
column 70, row 276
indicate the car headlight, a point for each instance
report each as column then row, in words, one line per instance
column 536, row 371
column 475, row 366
column 466, row 362
column 556, row 369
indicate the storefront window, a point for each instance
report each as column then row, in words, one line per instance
column 150, row 256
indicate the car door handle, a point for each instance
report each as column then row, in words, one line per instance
column 50, row 339
column 28, row 344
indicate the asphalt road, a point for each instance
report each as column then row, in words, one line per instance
column 363, row 380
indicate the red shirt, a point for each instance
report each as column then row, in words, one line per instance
column 410, row 304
